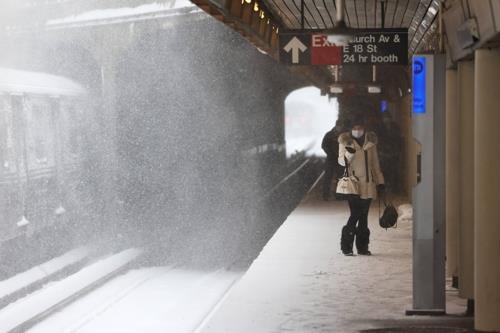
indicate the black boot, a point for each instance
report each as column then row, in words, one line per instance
column 346, row 241
column 362, row 241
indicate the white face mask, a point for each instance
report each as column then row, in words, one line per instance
column 357, row 133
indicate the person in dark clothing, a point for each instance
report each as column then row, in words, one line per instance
column 358, row 150
column 331, row 148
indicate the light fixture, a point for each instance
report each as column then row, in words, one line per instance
column 256, row 6
column 248, row 1
column 374, row 90
column 339, row 39
column 262, row 15
column 336, row 89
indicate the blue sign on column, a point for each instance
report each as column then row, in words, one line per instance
column 419, row 76
column 383, row 106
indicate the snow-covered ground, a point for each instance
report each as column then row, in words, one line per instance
column 301, row 282
column 405, row 212
column 156, row 299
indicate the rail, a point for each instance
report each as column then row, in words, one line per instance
column 288, row 177
column 29, row 311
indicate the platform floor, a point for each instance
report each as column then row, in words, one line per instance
column 301, row 282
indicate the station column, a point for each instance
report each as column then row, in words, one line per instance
column 487, row 187
column 452, row 174
column 466, row 146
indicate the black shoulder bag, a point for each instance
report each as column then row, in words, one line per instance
column 389, row 218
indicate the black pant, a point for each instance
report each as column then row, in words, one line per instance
column 357, row 226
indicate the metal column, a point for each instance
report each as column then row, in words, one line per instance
column 452, row 175
column 428, row 122
column 487, row 183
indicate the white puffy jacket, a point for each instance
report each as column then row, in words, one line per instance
column 364, row 163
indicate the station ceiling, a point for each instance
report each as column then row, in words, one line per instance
column 419, row 16
column 262, row 21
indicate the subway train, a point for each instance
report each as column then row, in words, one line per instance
column 44, row 167
column 193, row 165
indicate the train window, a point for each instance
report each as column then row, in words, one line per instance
column 75, row 133
column 18, row 126
column 39, row 130
column 40, row 140
column 7, row 156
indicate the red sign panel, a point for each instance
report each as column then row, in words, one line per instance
column 324, row 52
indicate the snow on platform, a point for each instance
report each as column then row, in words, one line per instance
column 301, row 282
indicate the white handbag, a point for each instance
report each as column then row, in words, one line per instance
column 347, row 186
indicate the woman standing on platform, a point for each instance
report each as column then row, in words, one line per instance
column 359, row 150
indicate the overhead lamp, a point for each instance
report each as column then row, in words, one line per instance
column 433, row 10
column 256, row 7
column 340, row 39
column 374, row 90
column 336, row 89
column 340, row 36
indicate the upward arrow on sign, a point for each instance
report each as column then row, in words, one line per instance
column 295, row 45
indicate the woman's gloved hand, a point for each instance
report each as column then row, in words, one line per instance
column 350, row 150
column 380, row 188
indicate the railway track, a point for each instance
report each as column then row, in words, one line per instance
column 116, row 294
column 36, row 306
column 78, row 294
column 151, row 299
